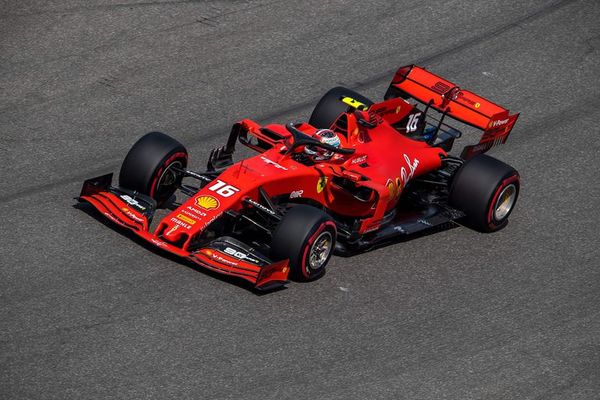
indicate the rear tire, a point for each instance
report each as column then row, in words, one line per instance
column 486, row 190
column 331, row 106
column 147, row 168
column 306, row 236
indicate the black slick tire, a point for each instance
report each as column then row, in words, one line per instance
column 486, row 190
column 300, row 235
column 147, row 164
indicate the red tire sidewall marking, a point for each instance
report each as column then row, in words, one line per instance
column 162, row 168
column 490, row 220
column 310, row 241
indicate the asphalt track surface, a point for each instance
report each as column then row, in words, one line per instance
column 86, row 312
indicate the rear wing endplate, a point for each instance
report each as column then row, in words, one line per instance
column 465, row 106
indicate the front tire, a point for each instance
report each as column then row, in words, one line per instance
column 486, row 190
column 331, row 106
column 149, row 167
column 306, row 236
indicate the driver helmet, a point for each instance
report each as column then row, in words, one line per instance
column 326, row 136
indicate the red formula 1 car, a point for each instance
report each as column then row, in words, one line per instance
column 357, row 175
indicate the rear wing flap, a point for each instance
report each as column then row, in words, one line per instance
column 465, row 106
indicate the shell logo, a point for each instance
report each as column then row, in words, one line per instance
column 207, row 202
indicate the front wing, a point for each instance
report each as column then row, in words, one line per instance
column 134, row 211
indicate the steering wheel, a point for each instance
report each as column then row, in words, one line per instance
column 300, row 138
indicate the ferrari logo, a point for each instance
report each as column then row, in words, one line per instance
column 321, row 184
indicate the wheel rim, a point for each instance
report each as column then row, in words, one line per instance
column 168, row 179
column 505, row 202
column 320, row 250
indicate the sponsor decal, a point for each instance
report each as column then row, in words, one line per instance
column 498, row 122
column 405, row 175
column 260, row 206
column 131, row 215
column 159, row 243
column 113, row 218
column 273, row 163
column 399, row 229
column 186, row 219
column 440, row 87
column 195, row 211
column 132, row 202
column 216, row 256
column 207, row 202
column 321, row 183
column 296, row 193
column 178, row 223
column 186, row 212
column 359, row 160
column 395, row 186
column 462, row 96
column 240, row 255
column 424, row 222
column 224, row 260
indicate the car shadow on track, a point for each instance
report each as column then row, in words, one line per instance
column 92, row 212
column 401, row 239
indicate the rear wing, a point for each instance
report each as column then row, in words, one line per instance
column 444, row 96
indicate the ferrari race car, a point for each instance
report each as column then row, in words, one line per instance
column 358, row 175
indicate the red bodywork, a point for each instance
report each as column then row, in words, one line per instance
column 383, row 162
